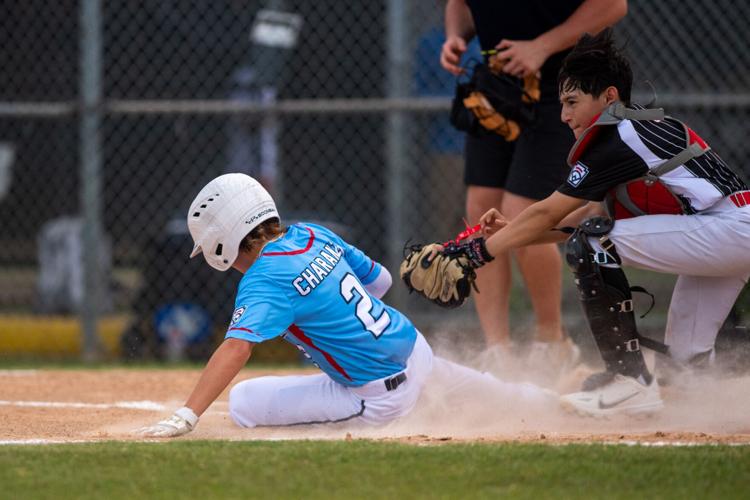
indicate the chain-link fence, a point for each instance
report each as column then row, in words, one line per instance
column 114, row 114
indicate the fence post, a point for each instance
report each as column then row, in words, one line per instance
column 90, row 172
column 398, row 73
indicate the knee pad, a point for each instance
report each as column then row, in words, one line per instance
column 606, row 298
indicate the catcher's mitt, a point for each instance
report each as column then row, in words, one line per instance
column 493, row 101
column 443, row 274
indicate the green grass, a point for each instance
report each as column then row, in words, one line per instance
column 363, row 469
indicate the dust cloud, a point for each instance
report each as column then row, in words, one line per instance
column 697, row 409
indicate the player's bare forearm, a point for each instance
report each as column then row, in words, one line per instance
column 574, row 219
column 591, row 16
column 224, row 365
column 458, row 20
column 531, row 227
column 552, row 236
column 535, row 224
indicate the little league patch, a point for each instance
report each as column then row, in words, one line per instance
column 238, row 314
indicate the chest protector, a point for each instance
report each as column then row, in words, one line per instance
column 647, row 195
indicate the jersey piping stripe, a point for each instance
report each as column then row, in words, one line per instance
column 353, row 415
column 372, row 266
column 241, row 329
column 295, row 330
column 295, row 252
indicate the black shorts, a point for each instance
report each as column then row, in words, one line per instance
column 532, row 166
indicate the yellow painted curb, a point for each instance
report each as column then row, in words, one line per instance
column 58, row 335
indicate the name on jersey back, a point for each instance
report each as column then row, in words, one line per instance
column 318, row 269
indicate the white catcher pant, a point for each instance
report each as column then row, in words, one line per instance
column 309, row 399
column 710, row 252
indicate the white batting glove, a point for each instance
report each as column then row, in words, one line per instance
column 182, row 422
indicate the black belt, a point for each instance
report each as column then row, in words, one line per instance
column 395, row 381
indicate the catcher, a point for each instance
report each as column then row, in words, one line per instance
column 644, row 190
column 305, row 284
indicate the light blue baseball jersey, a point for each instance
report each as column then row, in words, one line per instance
column 308, row 287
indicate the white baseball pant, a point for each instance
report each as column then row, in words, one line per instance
column 710, row 252
column 308, row 399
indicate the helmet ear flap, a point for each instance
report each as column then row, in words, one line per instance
column 219, row 248
column 217, row 255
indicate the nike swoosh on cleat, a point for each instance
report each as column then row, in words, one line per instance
column 606, row 406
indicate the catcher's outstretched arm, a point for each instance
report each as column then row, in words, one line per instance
column 492, row 221
column 590, row 209
column 534, row 225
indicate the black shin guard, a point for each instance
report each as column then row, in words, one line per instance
column 607, row 303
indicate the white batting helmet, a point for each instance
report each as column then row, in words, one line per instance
column 223, row 213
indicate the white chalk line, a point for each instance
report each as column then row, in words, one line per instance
column 649, row 444
column 129, row 405
column 17, row 373
column 38, row 441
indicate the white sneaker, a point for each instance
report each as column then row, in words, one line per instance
column 547, row 362
column 624, row 395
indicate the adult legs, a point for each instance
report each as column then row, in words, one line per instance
column 551, row 354
column 493, row 279
column 541, row 268
column 538, row 168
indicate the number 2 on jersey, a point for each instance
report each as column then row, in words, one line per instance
column 349, row 285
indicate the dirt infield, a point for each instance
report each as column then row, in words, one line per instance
column 93, row 405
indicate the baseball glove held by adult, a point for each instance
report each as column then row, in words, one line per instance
column 443, row 275
column 494, row 102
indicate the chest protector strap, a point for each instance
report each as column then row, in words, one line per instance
column 646, row 195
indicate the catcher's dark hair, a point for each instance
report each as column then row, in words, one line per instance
column 261, row 233
column 594, row 64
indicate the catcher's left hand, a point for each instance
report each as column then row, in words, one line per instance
column 444, row 275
